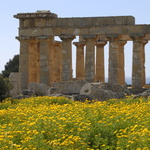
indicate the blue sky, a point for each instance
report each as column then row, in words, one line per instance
column 9, row 46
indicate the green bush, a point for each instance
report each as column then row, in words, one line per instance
column 11, row 66
column 5, row 87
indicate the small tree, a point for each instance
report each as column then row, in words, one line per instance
column 5, row 87
column 11, row 66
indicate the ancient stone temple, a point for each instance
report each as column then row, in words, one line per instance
column 45, row 60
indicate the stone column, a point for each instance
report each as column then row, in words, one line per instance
column 137, row 62
column 144, row 42
column 121, row 79
column 113, row 71
column 57, row 61
column 80, row 60
column 33, row 61
column 100, row 68
column 24, row 62
column 90, row 57
column 66, row 57
column 45, row 58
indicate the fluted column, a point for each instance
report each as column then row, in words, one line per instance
column 33, row 60
column 80, row 60
column 45, row 59
column 90, row 57
column 121, row 79
column 57, row 61
column 137, row 62
column 113, row 71
column 100, row 68
column 66, row 57
column 144, row 42
column 24, row 62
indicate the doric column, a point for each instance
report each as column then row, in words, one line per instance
column 66, row 57
column 24, row 62
column 113, row 71
column 33, row 61
column 90, row 57
column 137, row 62
column 121, row 79
column 45, row 58
column 144, row 42
column 100, row 70
column 56, row 61
column 80, row 74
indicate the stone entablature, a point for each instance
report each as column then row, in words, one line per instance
column 48, row 19
column 44, row 60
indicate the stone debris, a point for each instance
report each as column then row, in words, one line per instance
column 81, row 98
column 145, row 94
column 66, row 87
column 40, row 89
column 104, row 91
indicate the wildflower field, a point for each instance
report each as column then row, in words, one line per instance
column 50, row 123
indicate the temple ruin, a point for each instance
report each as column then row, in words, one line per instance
column 45, row 60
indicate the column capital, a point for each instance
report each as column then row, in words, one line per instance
column 144, row 42
column 122, row 42
column 136, row 37
column 79, row 44
column 113, row 36
column 89, row 36
column 20, row 38
column 101, row 43
column 66, row 37
column 42, row 37
column 57, row 43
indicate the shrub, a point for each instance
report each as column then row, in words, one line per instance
column 5, row 87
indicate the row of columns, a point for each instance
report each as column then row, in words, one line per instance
column 44, row 60
column 40, row 60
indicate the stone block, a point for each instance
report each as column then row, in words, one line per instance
column 14, row 79
column 104, row 91
column 40, row 89
column 67, row 87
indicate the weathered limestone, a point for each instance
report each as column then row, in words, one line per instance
column 80, row 60
column 113, row 74
column 43, row 60
column 121, row 79
column 104, row 91
column 66, row 87
column 66, row 57
column 100, row 71
column 137, row 68
column 39, row 89
column 56, row 61
column 90, row 57
column 14, row 80
column 24, row 63
column 144, row 42
column 34, row 61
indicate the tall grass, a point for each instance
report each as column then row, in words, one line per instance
column 52, row 123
